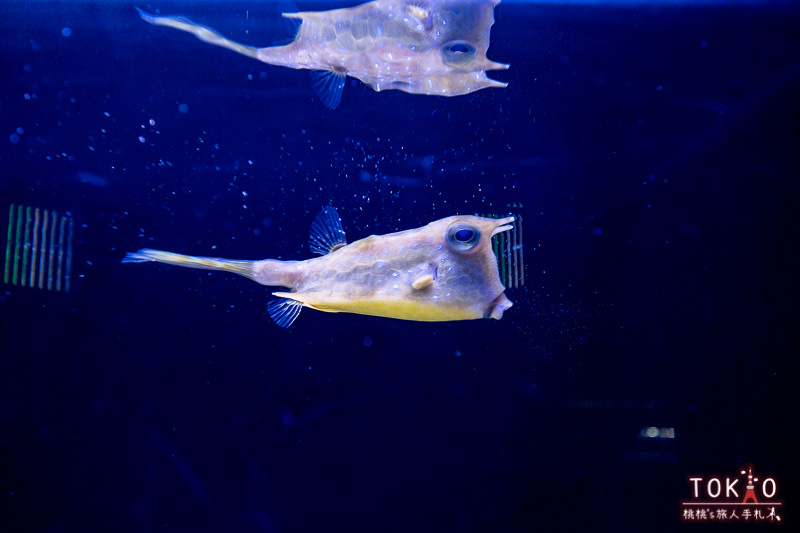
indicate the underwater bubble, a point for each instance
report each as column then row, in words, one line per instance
column 367, row 341
column 66, row 32
column 14, row 138
column 183, row 108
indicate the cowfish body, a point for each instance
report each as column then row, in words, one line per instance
column 434, row 47
column 443, row 271
column 415, row 275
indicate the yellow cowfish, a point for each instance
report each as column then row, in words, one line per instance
column 435, row 47
column 443, row 271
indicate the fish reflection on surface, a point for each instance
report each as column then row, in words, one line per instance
column 433, row 47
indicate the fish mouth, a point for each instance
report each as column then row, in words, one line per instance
column 503, row 224
column 496, row 308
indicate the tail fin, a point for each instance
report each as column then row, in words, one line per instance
column 201, row 32
column 243, row 268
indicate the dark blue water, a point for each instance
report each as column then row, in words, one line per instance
column 652, row 151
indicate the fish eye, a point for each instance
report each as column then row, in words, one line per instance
column 463, row 237
column 458, row 52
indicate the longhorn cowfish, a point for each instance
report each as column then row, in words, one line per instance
column 439, row 272
column 434, row 47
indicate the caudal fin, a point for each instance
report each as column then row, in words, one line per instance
column 283, row 311
column 243, row 268
column 203, row 33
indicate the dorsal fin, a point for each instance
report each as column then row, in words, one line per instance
column 328, row 84
column 284, row 311
column 326, row 233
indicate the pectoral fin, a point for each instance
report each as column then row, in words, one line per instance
column 284, row 311
column 328, row 84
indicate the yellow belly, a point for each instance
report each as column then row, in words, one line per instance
column 402, row 309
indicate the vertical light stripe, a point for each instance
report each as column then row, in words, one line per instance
column 507, row 242
column 517, row 248
column 34, row 252
column 60, row 271
column 6, row 273
column 43, row 249
column 26, row 248
column 68, row 273
column 35, row 249
column 16, row 245
column 52, row 259
column 521, row 256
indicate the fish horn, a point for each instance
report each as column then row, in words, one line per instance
column 494, row 65
column 495, row 83
column 503, row 224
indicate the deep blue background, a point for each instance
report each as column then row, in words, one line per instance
column 655, row 155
